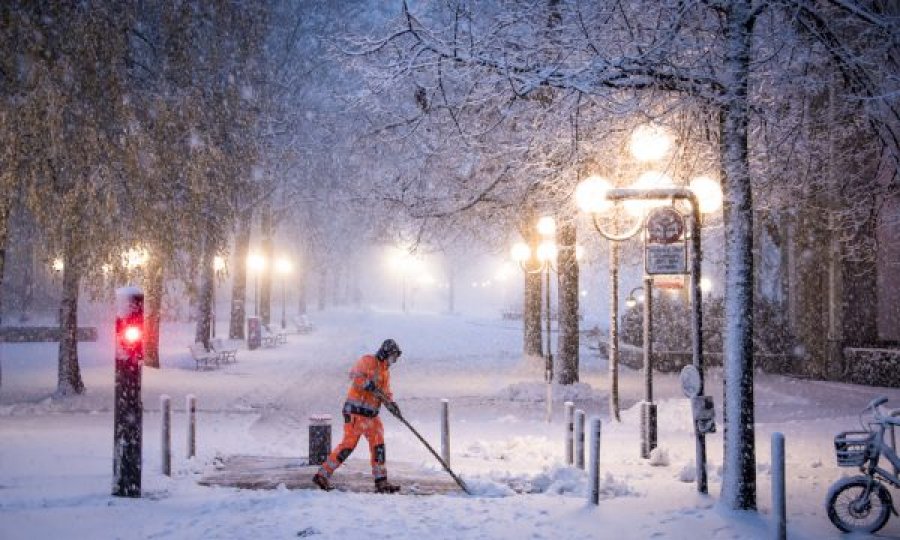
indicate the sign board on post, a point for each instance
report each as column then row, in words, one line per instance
column 254, row 333
column 665, row 251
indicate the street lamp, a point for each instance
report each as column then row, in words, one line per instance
column 256, row 263
column 544, row 256
column 656, row 195
column 283, row 267
column 218, row 267
column 633, row 300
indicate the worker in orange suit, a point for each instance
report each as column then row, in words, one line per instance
column 370, row 386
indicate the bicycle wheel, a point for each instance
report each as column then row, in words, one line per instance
column 850, row 513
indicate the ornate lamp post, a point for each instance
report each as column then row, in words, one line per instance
column 541, row 262
column 652, row 189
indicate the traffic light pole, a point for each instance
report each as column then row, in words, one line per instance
column 128, row 415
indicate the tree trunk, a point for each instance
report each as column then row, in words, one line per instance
column 531, row 313
column 265, row 277
column 239, row 276
column 152, row 316
column 323, row 287
column 4, row 238
column 567, row 292
column 739, row 477
column 301, row 289
column 205, row 294
column 69, row 374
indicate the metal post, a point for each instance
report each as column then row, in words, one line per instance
column 779, row 500
column 548, row 374
column 128, row 415
column 579, row 439
column 594, row 476
column 445, row 431
column 256, row 295
column 614, row 330
column 212, row 318
column 165, row 409
column 697, row 336
column 570, row 432
column 648, row 408
column 190, row 409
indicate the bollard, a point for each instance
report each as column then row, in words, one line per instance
column 779, row 506
column 445, row 431
column 319, row 438
column 165, row 408
column 648, row 428
column 190, row 408
column 570, row 432
column 594, row 480
column 579, row 439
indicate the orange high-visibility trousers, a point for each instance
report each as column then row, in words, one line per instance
column 356, row 425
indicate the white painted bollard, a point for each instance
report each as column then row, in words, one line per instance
column 570, row 432
column 190, row 409
column 594, row 480
column 165, row 409
column 445, row 431
column 579, row 439
column 779, row 500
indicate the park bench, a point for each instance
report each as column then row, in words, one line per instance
column 267, row 338
column 203, row 357
column 302, row 324
column 227, row 351
column 280, row 336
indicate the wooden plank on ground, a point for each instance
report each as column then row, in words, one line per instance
column 262, row 472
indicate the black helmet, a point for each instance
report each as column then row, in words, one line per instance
column 388, row 348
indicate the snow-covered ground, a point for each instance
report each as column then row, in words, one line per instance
column 56, row 455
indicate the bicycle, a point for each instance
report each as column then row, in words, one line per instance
column 862, row 503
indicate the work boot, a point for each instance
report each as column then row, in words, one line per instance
column 383, row 486
column 323, row 482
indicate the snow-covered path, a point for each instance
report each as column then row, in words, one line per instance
column 55, row 459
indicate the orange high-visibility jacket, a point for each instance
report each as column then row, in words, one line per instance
column 368, row 370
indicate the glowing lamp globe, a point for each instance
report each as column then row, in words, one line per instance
column 546, row 226
column 708, row 192
column 650, row 142
column 590, row 195
column 521, row 252
column 546, row 252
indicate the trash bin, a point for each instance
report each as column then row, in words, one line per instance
column 319, row 438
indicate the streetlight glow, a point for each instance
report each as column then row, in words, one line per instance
column 520, row 252
column 579, row 252
column 546, row 252
column 134, row 257
column 590, row 195
column 706, row 285
column 708, row 192
column 546, row 226
column 284, row 266
column 650, row 142
column 58, row 264
column 256, row 262
column 218, row 263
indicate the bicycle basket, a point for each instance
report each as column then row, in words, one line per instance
column 852, row 447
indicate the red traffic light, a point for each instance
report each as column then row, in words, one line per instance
column 132, row 334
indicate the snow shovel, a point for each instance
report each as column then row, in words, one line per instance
column 399, row 416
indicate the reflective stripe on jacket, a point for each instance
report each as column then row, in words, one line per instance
column 367, row 371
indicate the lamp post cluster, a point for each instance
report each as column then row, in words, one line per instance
column 621, row 214
column 652, row 190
